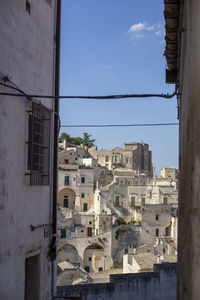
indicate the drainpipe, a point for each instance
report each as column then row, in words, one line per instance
column 56, row 132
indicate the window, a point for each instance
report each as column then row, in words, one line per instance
column 63, row 233
column 133, row 201
column 165, row 200
column 82, row 195
column 66, row 161
column 143, row 200
column 38, row 144
column 28, row 7
column 107, row 158
column 90, row 222
column 102, row 174
column 87, row 269
column 135, row 159
column 127, row 160
column 157, row 232
column 67, row 180
column 167, row 231
column 126, row 250
column 116, row 200
column 100, row 269
column 85, row 206
column 66, row 201
column 156, row 217
column 82, row 230
column 116, row 158
column 82, row 179
column 90, row 258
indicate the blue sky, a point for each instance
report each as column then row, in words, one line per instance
column 116, row 47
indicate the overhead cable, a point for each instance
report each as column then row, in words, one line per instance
column 123, row 125
column 122, row 96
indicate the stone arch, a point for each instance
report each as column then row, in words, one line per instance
column 67, row 253
column 93, row 258
column 67, row 198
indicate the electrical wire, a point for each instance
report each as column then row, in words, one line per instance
column 114, row 97
column 166, row 96
column 124, row 125
column 30, row 98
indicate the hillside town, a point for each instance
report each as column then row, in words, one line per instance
column 114, row 214
column 82, row 223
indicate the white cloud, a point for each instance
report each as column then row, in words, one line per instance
column 137, row 27
column 143, row 30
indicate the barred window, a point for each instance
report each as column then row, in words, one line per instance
column 39, row 144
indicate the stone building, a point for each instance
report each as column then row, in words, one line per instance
column 144, row 262
column 183, row 62
column 29, row 47
column 76, row 187
column 158, row 228
column 169, row 173
column 125, row 196
column 134, row 156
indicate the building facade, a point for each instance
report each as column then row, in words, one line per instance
column 134, row 156
column 27, row 66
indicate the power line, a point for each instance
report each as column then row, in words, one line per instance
column 123, row 96
column 123, row 125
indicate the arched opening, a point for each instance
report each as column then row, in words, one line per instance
column 93, row 258
column 67, row 253
column 66, row 198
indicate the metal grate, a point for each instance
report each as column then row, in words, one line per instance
column 39, row 144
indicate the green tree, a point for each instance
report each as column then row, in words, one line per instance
column 76, row 140
column 87, row 141
column 65, row 136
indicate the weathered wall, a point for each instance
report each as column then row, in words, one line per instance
column 157, row 285
column 189, row 151
column 126, row 188
column 155, row 217
column 135, row 156
column 27, row 58
column 81, row 243
column 67, row 253
column 79, row 188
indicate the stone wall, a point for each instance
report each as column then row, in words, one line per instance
column 27, row 58
column 189, row 153
column 157, row 285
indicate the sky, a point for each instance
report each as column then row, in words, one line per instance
column 116, row 47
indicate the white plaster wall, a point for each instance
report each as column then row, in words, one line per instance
column 27, row 58
column 128, row 267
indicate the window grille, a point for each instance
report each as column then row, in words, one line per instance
column 39, row 144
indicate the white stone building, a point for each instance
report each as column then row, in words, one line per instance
column 76, row 187
column 27, row 66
